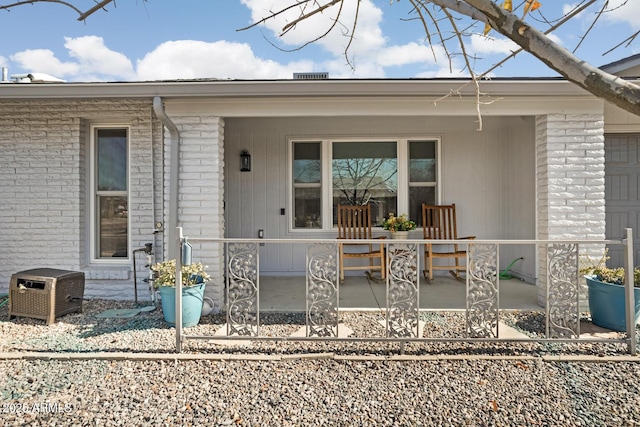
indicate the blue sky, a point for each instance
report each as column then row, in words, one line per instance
column 163, row 39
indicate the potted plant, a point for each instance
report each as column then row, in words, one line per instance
column 399, row 226
column 607, row 295
column 194, row 278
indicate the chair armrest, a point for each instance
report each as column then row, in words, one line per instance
column 467, row 238
column 380, row 237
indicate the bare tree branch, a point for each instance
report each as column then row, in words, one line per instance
column 593, row 24
column 100, row 5
column 277, row 13
column 466, row 60
column 313, row 12
column 82, row 15
column 626, row 41
column 419, row 6
column 22, row 3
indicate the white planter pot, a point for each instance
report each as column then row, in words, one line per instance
column 401, row 235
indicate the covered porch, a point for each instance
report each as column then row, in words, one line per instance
column 288, row 294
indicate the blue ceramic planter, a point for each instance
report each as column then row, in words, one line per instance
column 192, row 300
column 606, row 304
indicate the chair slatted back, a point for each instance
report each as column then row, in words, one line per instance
column 354, row 222
column 439, row 222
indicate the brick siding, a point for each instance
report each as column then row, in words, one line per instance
column 570, row 182
column 44, row 187
column 201, row 193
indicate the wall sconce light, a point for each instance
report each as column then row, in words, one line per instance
column 245, row 161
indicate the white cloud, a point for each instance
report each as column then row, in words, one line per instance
column 189, row 59
column 617, row 11
column 410, row 53
column 93, row 61
column 94, row 57
column 481, row 45
column 621, row 12
column 455, row 71
column 44, row 61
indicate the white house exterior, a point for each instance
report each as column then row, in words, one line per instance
column 535, row 170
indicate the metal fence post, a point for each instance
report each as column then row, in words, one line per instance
column 179, row 291
column 629, row 291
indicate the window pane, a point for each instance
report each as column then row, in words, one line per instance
column 111, row 149
column 112, row 227
column 422, row 161
column 306, row 162
column 307, row 185
column 418, row 196
column 307, row 208
column 365, row 172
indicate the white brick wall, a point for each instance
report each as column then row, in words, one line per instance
column 201, row 193
column 44, row 187
column 570, row 181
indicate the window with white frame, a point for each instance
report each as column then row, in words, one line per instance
column 110, row 193
column 423, row 176
column 392, row 175
column 307, row 184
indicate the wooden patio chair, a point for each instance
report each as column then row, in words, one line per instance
column 354, row 222
column 439, row 223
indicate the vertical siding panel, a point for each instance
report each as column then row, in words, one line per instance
column 232, row 181
column 278, row 158
column 261, row 175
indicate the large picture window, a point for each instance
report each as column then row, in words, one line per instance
column 365, row 173
column 392, row 175
column 110, row 218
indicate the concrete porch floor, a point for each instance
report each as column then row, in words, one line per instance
column 287, row 293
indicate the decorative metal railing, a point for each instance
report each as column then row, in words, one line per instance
column 403, row 291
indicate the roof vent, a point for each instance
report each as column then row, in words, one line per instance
column 311, row 76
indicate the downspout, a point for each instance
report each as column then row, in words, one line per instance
column 174, row 169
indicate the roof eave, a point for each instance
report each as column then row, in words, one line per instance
column 280, row 88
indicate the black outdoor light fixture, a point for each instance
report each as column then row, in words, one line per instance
column 245, row 161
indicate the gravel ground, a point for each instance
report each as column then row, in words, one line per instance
column 343, row 389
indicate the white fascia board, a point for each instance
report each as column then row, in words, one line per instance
column 288, row 88
column 384, row 106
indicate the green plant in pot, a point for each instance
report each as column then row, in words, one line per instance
column 194, row 279
column 607, row 295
